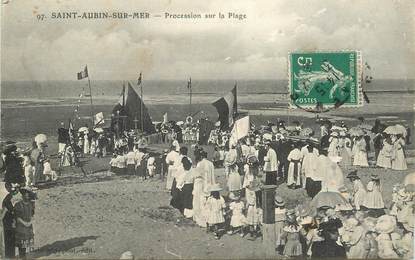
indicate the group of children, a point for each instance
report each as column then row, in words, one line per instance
column 138, row 162
column 237, row 215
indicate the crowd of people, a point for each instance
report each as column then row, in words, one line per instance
column 360, row 227
column 22, row 170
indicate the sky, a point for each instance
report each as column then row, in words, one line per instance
column 254, row 48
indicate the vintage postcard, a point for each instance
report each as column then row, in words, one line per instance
column 178, row 129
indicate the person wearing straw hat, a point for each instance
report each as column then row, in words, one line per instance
column 214, row 207
column 270, row 165
column 253, row 207
column 354, row 239
column 385, row 226
column 280, row 212
column 373, row 199
column 237, row 219
column 328, row 247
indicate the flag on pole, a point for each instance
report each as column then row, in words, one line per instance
column 83, row 74
column 189, row 83
column 139, row 79
column 165, row 119
column 99, row 119
column 240, row 130
column 226, row 107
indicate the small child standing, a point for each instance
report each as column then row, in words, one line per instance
column 151, row 168
column 373, row 200
column 291, row 235
column 29, row 170
column 238, row 218
column 113, row 163
column 280, row 212
column 253, row 209
column 49, row 174
column 214, row 207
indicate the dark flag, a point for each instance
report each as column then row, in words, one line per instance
column 132, row 110
column 139, row 80
column 83, row 74
column 227, row 109
column 189, row 83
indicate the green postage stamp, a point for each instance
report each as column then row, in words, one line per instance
column 327, row 79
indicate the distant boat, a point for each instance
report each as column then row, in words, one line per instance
column 87, row 95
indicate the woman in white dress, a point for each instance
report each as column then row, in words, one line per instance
column 360, row 155
column 398, row 155
column 385, row 155
column 199, row 198
column 333, row 150
column 345, row 149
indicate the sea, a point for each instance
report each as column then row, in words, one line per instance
column 167, row 91
column 30, row 107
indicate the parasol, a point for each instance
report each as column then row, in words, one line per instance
column 83, row 129
column 41, row 138
column 99, row 130
column 306, row 132
column 179, row 123
column 401, row 129
column 395, row 130
column 409, row 182
column 329, row 199
column 365, row 127
column 356, row 131
column 337, row 128
column 267, row 136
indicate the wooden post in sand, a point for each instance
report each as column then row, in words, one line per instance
column 268, row 231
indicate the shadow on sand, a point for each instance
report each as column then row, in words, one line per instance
column 64, row 246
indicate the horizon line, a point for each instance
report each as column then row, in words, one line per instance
column 185, row 79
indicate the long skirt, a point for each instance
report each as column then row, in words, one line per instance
column 131, row 169
column 176, row 197
column 170, row 178
column 187, row 196
column 271, row 178
column 142, row 171
column 234, row 181
column 312, row 187
column 279, row 230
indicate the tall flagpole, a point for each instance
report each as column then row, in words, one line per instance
column 141, row 104
column 90, row 96
column 189, row 86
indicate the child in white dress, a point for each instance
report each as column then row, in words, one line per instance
column 238, row 219
column 214, row 207
column 49, row 174
column 29, row 170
